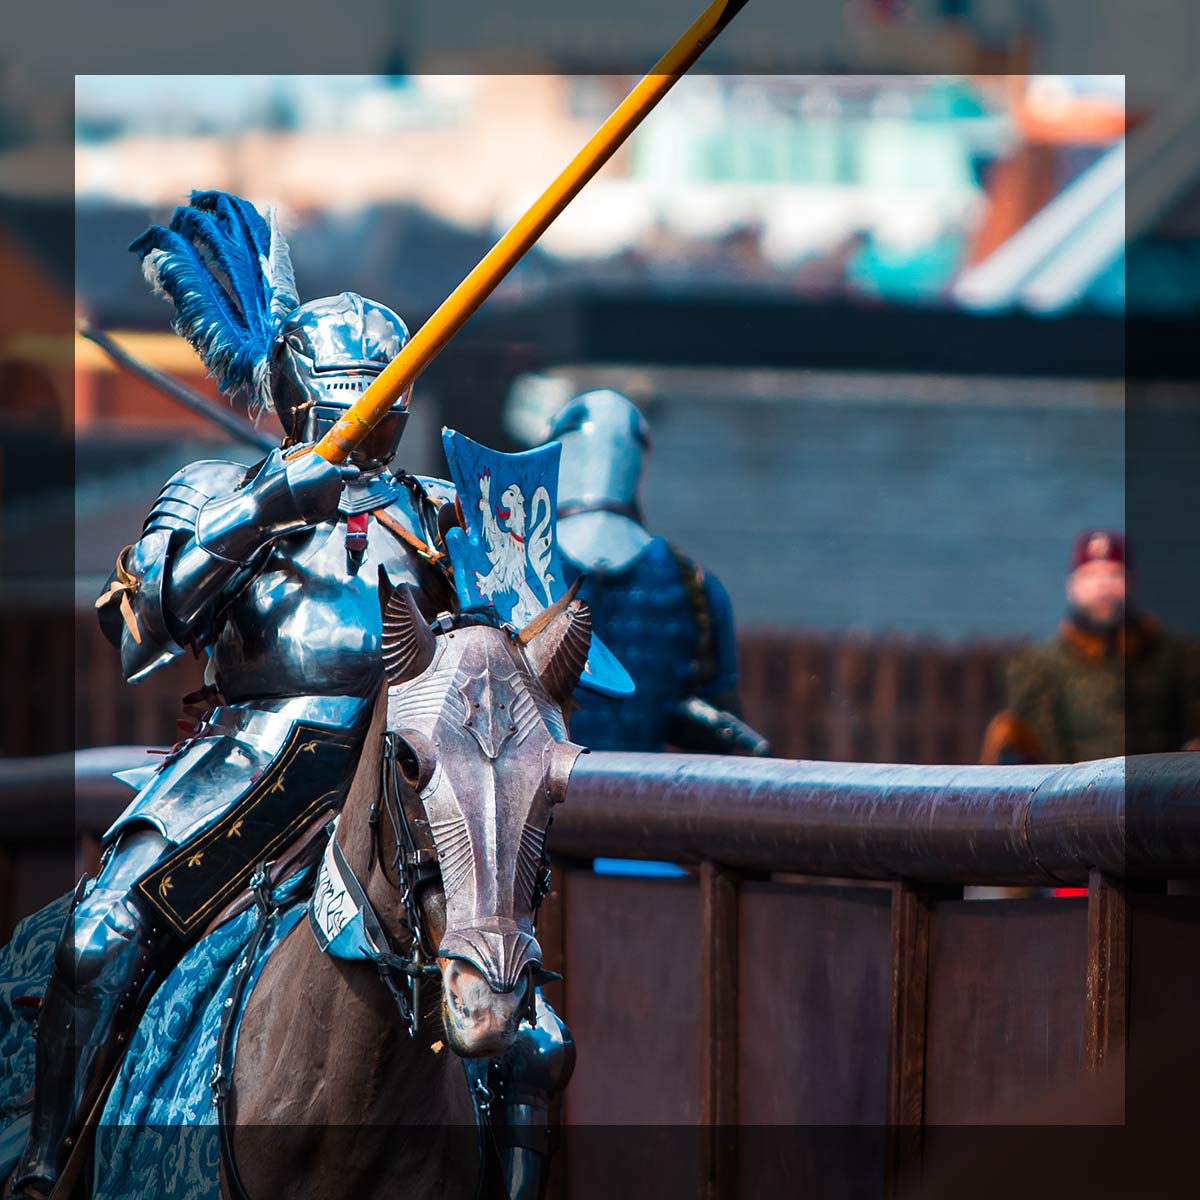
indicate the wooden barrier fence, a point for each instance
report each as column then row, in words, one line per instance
column 815, row 1001
column 820, row 1005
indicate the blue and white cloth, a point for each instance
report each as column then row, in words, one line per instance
column 158, row 1134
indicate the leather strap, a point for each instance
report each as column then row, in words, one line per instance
column 409, row 539
column 294, row 856
column 221, row 1081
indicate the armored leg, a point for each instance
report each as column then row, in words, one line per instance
column 101, row 967
column 525, row 1082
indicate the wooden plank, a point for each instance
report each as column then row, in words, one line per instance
column 821, row 723
column 16, row 635
column 1162, row 1060
column 633, row 999
column 718, row 1031
column 552, row 937
column 800, row 702
column 756, row 699
column 1004, row 1026
column 906, row 1035
column 1106, row 1000
column 813, row 1016
column 885, row 704
column 973, row 714
column 633, row 995
column 41, row 678
column 100, row 681
column 849, row 666
column 813, row 1010
column 929, row 706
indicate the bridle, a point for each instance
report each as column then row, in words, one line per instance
column 412, row 867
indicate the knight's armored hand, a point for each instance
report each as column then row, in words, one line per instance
column 286, row 495
column 705, row 729
column 202, row 541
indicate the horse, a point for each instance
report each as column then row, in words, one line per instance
column 444, row 826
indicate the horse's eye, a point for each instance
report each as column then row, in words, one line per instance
column 408, row 762
column 414, row 758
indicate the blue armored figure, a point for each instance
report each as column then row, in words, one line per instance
column 667, row 619
column 272, row 573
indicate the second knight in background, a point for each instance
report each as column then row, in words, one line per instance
column 666, row 618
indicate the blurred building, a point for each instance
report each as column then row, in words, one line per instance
column 879, row 186
column 774, row 267
column 886, row 459
column 805, row 184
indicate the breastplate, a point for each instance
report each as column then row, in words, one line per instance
column 308, row 623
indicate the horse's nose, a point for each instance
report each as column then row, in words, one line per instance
column 496, row 948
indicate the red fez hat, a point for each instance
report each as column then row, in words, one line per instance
column 1099, row 545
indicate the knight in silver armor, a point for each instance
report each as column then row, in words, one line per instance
column 272, row 573
column 667, row 619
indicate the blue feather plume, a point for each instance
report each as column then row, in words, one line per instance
column 229, row 275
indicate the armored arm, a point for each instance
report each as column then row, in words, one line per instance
column 710, row 721
column 203, row 539
column 703, row 728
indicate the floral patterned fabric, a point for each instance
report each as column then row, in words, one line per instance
column 158, row 1134
column 24, row 969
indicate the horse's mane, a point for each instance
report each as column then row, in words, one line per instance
column 365, row 784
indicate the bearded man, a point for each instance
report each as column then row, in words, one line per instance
column 1111, row 682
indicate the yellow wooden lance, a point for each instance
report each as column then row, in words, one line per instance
column 337, row 445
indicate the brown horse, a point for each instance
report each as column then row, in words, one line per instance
column 331, row 1095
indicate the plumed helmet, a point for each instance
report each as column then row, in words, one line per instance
column 324, row 356
column 227, row 271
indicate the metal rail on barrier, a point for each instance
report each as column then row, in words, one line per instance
column 1135, row 817
column 1128, row 817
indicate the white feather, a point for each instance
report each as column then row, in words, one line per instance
column 260, row 400
column 150, row 271
column 278, row 272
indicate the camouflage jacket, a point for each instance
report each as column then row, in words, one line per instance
column 1081, row 696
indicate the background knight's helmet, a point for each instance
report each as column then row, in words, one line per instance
column 325, row 355
column 604, row 441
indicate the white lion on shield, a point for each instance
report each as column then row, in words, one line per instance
column 518, row 548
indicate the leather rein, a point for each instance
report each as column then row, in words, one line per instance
column 411, row 867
